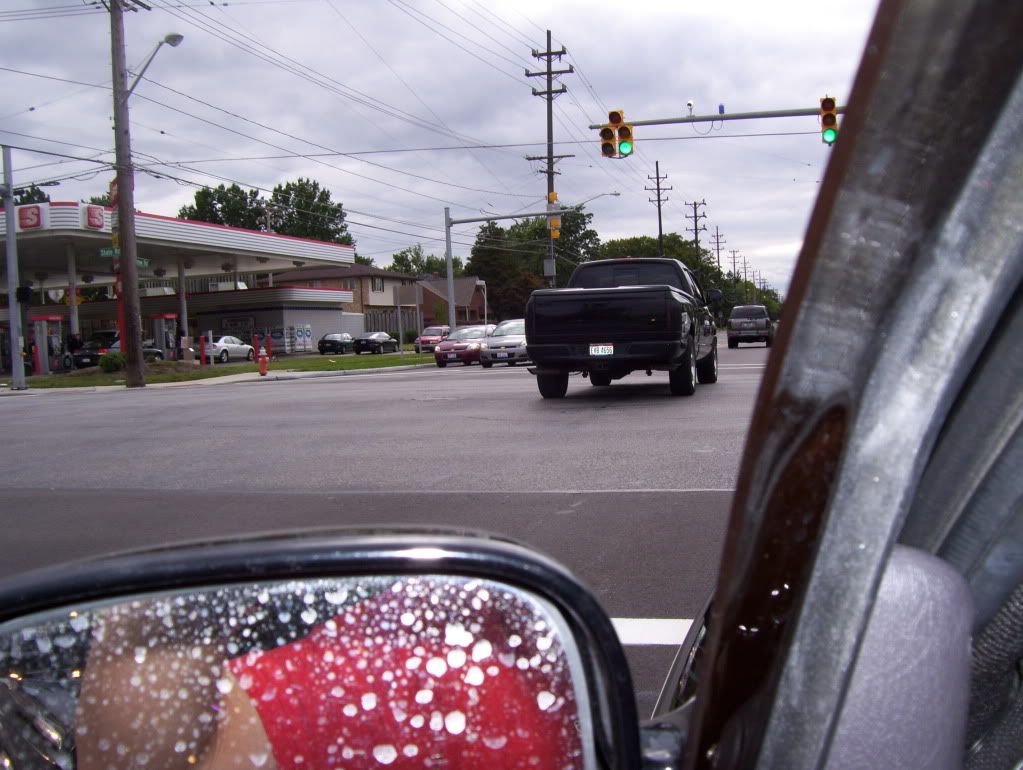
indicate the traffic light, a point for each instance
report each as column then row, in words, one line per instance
column 608, row 141
column 553, row 221
column 616, row 138
column 829, row 120
column 625, row 141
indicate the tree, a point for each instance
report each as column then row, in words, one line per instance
column 498, row 260
column 361, row 260
column 412, row 261
column 578, row 242
column 31, row 194
column 303, row 209
column 100, row 200
column 227, row 206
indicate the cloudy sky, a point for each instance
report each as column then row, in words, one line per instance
column 403, row 107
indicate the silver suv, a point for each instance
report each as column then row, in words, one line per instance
column 750, row 323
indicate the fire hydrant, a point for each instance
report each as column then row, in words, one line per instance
column 262, row 365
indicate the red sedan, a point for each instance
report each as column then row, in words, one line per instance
column 462, row 345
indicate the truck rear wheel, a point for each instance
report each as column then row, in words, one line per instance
column 682, row 380
column 552, row 385
column 707, row 367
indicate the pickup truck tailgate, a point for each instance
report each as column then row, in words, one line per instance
column 599, row 315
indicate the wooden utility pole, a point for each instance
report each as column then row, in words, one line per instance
column 659, row 201
column 550, row 268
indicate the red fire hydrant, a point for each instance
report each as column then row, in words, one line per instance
column 262, row 364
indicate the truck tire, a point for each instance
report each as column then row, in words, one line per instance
column 486, row 364
column 707, row 367
column 733, row 343
column 552, row 385
column 600, row 379
column 442, row 364
column 682, row 380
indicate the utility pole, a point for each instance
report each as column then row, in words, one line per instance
column 550, row 268
column 745, row 281
column 735, row 274
column 131, row 342
column 13, row 306
column 718, row 240
column 657, row 178
column 697, row 227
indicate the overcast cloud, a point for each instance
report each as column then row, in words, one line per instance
column 215, row 110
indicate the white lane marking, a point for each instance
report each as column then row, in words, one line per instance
column 643, row 631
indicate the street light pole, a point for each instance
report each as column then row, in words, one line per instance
column 131, row 344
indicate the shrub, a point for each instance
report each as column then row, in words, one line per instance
column 113, row 362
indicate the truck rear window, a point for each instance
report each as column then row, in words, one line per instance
column 749, row 311
column 637, row 274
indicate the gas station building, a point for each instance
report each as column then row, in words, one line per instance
column 209, row 279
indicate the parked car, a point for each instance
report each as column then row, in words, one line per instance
column 336, row 343
column 463, row 344
column 505, row 345
column 750, row 323
column 149, row 349
column 91, row 352
column 375, row 342
column 430, row 337
column 223, row 349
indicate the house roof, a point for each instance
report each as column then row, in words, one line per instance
column 465, row 290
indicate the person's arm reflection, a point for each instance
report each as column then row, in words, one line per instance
column 148, row 700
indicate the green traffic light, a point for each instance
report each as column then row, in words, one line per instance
column 828, row 135
column 625, row 148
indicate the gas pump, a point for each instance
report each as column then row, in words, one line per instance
column 164, row 327
column 48, row 353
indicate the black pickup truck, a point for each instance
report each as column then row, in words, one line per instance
column 617, row 316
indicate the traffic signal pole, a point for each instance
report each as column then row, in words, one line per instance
column 796, row 113
column 448, row 221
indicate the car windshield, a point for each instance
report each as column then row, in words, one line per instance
column 433, row 331
column 468, row 333
column 749, row 311
column 506, row 328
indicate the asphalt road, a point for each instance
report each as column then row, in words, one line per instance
column 628, row 486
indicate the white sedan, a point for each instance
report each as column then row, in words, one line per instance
column 223, row 349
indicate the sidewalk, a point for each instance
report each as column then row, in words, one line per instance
column 253, row 376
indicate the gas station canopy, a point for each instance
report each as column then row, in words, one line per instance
column 52, row 236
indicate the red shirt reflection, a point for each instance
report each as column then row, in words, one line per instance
column 401, row 684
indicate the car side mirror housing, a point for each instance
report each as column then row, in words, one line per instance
column 375, row 649
column 714, row 296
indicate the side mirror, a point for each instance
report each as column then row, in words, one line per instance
column 334, row 650
column 713, row 296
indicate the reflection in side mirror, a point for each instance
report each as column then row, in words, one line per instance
column 403, row 671
column 714, row 296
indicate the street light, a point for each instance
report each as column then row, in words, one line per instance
column 131, row 331
column 614, row 194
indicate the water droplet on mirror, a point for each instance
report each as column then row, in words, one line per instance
column 411, row 750
column 43, row 645
column 544, row 643
column 436, row 721
column 413, row 663
column 495, row 742
column 180, row 747
column 350, row 710
column 369, row 701
column 514, row 640
column 79, row 622
column 474, row 676
column 263, row 597
column 284, row 617
column 407, row 619
column 436, row 666
column 309, row 616
column 457, row 658
column 224, row 686
column 337, row 692
column 417, row 721
column 545, row 700
column 482, row 650
column 455, row 722
column 258, row 760
column 456, row 635
column 385, row 754
column 424, row 696
column 268, row 695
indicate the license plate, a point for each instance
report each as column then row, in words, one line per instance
column 86, row 360
column 602, row 350
column 502, row 355
column 452, row 355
